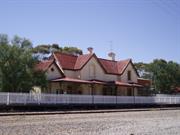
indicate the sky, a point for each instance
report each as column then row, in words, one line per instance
column 139, row 29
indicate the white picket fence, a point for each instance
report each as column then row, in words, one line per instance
column 26, row 98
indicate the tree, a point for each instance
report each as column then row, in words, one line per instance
column 143, row 70
column 17, row 72
column 166, row 75
column 3, row 39
column 0, row 80
column 44, row 51
column 72, row 50
column 21, row 42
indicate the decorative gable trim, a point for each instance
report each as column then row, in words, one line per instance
column 130, row 62
column 96, row 58
column 51, row 62
column 78, row 62
column 59, row 68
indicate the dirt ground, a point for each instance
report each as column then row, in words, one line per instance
column 125, row 123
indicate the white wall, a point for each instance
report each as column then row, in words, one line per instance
column 99, row 74
column 124, row 77
column 72, row 74
column 53, row 74
column 86, row 73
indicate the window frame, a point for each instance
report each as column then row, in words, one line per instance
column 129, row 78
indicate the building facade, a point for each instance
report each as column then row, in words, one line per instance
column 89, row 75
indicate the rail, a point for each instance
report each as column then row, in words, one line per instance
column 28, row 98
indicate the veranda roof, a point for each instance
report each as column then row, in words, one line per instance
column 67, row 79
column 123, row 84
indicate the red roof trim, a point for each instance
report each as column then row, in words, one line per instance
column 105, row 64
column 100, row 63
column 67, row 79
column 123, row 84
column 59, row 69
column 127, row 84
column 49, row 63
column 65, row 64
column 91, row 55
column 122, row 72
column 44, row 65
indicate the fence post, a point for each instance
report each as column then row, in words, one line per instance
column 171, row 100
column 7, row 102
column 39, row 99
column 25, row 97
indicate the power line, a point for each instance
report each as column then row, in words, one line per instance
column 165, row 7
column 169, row 6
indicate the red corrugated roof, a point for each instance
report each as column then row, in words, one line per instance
column 121, row 65
column 82, row 60
column 123, row 84
column 77, row 62
column 109, row 65
column 127, row 84
column 65, row 60
column 67, row 79
column 114, row 67
column 144, row 82
column 43, row 65
column 72, row 62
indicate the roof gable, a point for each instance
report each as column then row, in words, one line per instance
column 109, row 66
column 82, row 60
column 71, row 62
column 125, row 64
column 122, row 65
column 44, row 65
column 65, row 60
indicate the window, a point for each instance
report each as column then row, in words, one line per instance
column 52, row 69
column 129, row 75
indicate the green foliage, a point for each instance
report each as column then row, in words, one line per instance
column 3, row 39
column 72, row 50
column 17, row 66
column 165, row 75
column 0, row 80
column 46, row 49
column 143, row 70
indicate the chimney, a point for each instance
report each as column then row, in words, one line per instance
column 111, row 56
column 90, row 50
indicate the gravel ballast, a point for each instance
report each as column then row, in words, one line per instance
column 115, row 123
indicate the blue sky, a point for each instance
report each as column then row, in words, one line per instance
column 139, row 29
